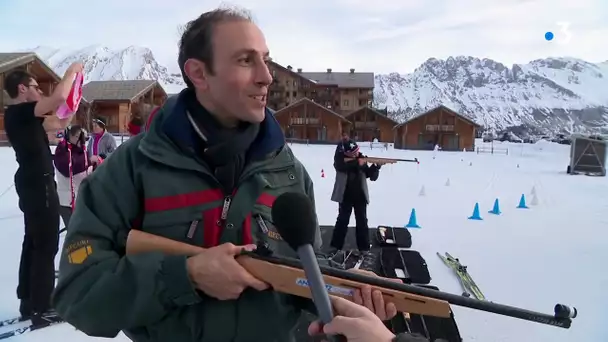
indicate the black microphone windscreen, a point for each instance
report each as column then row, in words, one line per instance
column 294, row 216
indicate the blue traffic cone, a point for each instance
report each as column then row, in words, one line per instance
column 496, row 209
column 476, row 215
column 522, row 202
column 412, row 223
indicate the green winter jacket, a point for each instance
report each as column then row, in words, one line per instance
column 155, row 182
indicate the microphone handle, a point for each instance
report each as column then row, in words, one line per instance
column 320, row 297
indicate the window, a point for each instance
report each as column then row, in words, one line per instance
column 286, row 94
column 295, row 84
column 345, row 103
column 294, row 93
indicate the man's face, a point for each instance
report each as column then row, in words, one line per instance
column 239, row 85
column 30, row 91
column 344, row 137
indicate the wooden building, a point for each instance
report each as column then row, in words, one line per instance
column 118, row 101
column 369, row 124
column 45, row 76
column 341, row 92
column 439, row 126
column 310, row 121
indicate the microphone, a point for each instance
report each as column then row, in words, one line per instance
column 295, row 220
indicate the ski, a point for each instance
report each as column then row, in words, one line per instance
column 450, row 264
column 466, row 281
column 461, row 270
column 23, row 330
column 11, row 321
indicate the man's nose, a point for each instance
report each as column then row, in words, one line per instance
column 263, row 76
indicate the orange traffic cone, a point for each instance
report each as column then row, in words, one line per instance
column 322, row 173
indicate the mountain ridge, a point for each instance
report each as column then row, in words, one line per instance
column 555, row 94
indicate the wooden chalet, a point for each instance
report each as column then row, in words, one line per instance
column 45, row 76
column 310, row 121
column 118, row 101
column 439, row 126
column 341, row 92
column 370, row 124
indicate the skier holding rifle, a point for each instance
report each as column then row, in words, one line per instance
column 27, row 122
column 350, row 191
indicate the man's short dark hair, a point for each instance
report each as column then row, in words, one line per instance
column 14, row 79
column 196, row 40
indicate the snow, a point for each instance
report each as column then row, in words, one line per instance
column 532, row 258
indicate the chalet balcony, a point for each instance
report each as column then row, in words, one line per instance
column 321, row 97
column 439, row 128
column 366, row 124
column 276, row 86
column 304, row 121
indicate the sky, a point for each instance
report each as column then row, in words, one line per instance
column 378, row 36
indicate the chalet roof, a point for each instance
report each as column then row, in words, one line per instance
column 453, row 112
column 341, row 79
column 307, row 100
column 126, row 90
column 374, row 111
column 290, row 71
column 10, row 60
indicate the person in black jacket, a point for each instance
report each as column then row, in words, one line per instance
column 350, row 191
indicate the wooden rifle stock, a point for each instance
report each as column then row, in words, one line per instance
column 288, row 279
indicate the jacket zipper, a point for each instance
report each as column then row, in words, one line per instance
column 261, row 223
column 192, row 229
column 225, row 208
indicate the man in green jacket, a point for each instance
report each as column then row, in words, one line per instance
column 205, row 173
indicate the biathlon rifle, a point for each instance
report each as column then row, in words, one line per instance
column 287, row 276
column 382, row 161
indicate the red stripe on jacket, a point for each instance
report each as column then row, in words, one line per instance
column 212, row 224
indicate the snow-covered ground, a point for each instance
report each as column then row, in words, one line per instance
column 531, row 258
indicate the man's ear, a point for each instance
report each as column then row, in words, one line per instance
column 196, row 72
column 22, row 89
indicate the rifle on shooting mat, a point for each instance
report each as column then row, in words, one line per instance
column 287, row 276
column 382, row 161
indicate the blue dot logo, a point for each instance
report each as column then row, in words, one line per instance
column 549, row 36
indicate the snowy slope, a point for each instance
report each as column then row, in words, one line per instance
column 531, row 258
column 550, row 94
column 103, row 64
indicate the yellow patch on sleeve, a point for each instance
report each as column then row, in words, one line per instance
column 79, row 255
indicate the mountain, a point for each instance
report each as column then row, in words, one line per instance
column 104, row 64
column 545, row 95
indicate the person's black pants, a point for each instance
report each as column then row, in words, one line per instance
column 39, row 203
column 361, row 228
column 66, row 214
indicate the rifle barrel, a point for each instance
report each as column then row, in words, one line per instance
column 500, row 309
